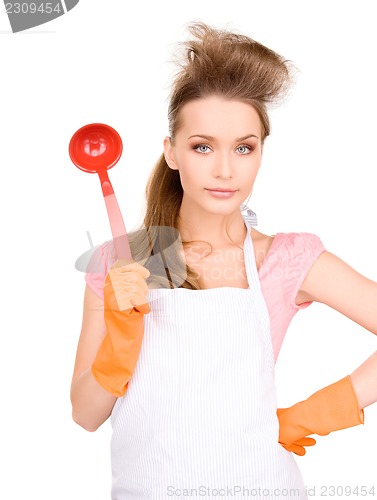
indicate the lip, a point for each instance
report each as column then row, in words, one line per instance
column 220, row 194
column 222, row 190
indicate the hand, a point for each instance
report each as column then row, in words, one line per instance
column 297, row 446
column 332, row 408
column 119, row 351
column 127, row 284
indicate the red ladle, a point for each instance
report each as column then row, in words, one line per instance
column 95, row 148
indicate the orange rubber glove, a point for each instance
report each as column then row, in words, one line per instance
column 125, row 303
column 332, row 408
column 298, row 446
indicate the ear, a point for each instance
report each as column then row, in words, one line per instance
column 169, row 154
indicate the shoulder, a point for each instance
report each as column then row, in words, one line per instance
column 299, row 244
column 102, row 257
column 287, row 257
column 288, row 245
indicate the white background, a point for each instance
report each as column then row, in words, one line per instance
column 108, row 61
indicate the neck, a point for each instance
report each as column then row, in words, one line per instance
column 194, row 223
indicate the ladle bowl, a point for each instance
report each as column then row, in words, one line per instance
column 95, row 148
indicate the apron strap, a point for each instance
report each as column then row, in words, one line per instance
column 249, row 216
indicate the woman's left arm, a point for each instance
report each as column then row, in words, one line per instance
column 333, row 282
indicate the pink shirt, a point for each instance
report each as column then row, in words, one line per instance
column 281, row 274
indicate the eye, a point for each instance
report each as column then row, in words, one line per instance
column 247, row 147
column 200, row 146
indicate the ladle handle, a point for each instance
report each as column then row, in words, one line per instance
column 118, row 229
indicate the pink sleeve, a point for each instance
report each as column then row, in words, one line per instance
column 299, row 252
column 100, row 262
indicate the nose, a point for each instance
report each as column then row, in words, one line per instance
column 223, row 165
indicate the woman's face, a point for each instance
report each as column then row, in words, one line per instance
column 229, row 157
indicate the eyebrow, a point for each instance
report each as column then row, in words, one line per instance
column 210, row 138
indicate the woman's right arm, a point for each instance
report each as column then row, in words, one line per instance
column 91, row 403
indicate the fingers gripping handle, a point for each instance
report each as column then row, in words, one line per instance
column 126, row 284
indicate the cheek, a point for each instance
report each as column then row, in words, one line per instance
column 188, row 177
column 248, row 180
column 189, row 172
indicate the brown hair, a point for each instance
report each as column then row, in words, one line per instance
column 216, row 62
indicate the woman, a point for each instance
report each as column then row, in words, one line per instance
column 180, row 346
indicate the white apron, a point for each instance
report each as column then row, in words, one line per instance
column 199, row 417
